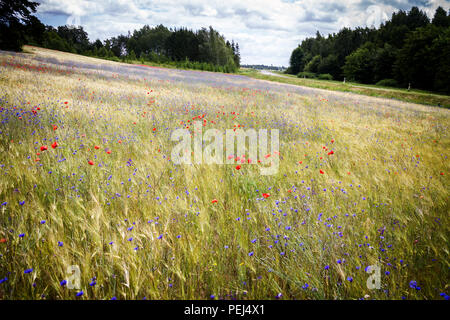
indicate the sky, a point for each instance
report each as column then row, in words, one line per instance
column 267, row 30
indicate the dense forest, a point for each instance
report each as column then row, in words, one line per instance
column 204, row 49
column 408, row 50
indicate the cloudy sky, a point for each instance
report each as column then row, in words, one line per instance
column 267, row 30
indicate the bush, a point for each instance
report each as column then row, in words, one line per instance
column 325, row 76
column 387, row 83
column 308, row 75
column 114, row 58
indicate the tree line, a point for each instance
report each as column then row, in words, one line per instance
column 407, row 50
column 203, row 49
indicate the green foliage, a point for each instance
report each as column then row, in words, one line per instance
column 387, row 83
column 313, row 65
column 132, row 56
column 408, row 48
column 162, row 45
column 53, row 41
column 359, row 65
column 15, row 20
column 424, row 59
column 329, row 65
column 325, row 76
column 297, row 60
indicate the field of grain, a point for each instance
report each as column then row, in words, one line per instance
column 86, row 180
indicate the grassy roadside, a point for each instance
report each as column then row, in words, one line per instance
column 414, row 96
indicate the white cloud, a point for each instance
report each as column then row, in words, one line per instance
column 267, row 30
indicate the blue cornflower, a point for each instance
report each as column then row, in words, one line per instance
column 28, row 270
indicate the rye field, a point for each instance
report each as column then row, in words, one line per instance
column 87, row 184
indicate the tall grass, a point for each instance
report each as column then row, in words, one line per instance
column 139, row 226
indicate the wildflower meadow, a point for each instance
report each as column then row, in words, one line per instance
column 93, row 207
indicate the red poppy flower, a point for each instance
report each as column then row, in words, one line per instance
column 91, row 162
column 442, row 173
column 43, row 148
column 108, row 152
column 321, row 172
column 332, row 140
column 214, row 201
column 54, row 144
column 55, row 127
column 331, row 152
column 96, row 147
column 266, row 195
column 3, row 240
column 238, row 167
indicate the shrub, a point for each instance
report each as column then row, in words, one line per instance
column 309, row 75
column 325, row 76
column 387, row 83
